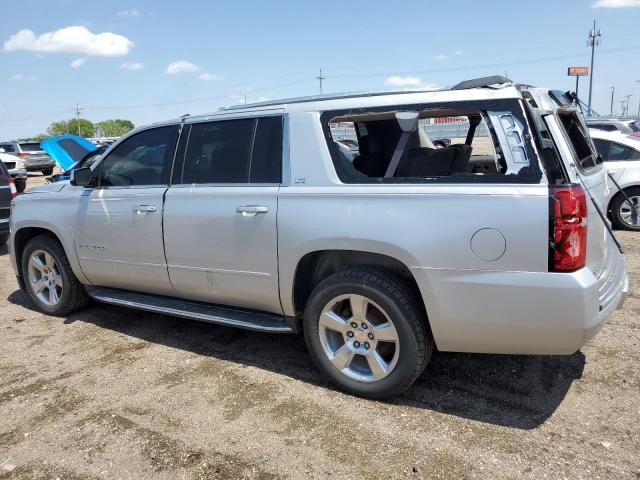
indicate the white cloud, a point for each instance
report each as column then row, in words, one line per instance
column 208, row 76
column 131, row 66
column 409, row 83
column 23, row 77
column 459, row 52
column 128, row 13
column 78, row 62
column 181, row 66
column 76, row 39
column 615, row 3
column 440, row 56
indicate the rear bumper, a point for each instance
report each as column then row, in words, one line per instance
column 520, row 312
column 18, row 173
column 32, row 164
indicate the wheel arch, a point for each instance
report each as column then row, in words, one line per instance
column 317, row 265
column 23, row 234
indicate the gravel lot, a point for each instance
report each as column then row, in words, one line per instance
column 115, row 393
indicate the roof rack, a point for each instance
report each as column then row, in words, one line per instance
column 481, row 82
column 318, row 98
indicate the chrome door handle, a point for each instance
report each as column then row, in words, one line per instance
column 251, row 210
column 144, row 209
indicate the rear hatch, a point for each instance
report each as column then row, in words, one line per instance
column 32, row 151
column 67, row 150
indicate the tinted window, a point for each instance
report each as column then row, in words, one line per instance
column 218, row 152
column 266, row 161
column 605, row 127
column 143, row 159
column 602, row 146
column 234, row 151
column 30, row 147
column 615, row 152
column 8, row 147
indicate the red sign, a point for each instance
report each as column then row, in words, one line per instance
column 578, row 71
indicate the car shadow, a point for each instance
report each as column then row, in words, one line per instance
column 507, row 390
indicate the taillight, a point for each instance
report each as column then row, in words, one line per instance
column 23, row 154
column 568, row 228
column 12, row 187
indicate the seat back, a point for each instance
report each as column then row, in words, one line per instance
column 434, row 162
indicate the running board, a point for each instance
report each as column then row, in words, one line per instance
column 204, row 312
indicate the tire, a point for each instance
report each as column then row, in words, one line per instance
column 21, row 186
column 388, row 302
column 54, row 267
column 620, row 207
column 47, row 171
column 4, row 239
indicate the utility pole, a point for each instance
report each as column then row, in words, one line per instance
column 638, row 81
column 621, row 107
column 613, row 89
column 320, row 79
column 626, row 110
column 78, row 109
column 593, row 42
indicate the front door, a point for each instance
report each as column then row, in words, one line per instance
column 220, row 213
column 118, row 227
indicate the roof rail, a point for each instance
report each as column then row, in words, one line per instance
column 481, row 82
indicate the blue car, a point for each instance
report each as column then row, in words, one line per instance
column 71, row 152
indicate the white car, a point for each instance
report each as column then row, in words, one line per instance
column 16, row 168
column 621, row 155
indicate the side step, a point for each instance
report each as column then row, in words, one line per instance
column 204, row 312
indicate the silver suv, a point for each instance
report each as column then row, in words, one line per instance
column 257, row 217
column 35, row 159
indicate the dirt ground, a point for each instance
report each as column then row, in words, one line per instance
column 119, row 394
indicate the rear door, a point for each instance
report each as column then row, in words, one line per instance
column 220, row 213
column 118, row 226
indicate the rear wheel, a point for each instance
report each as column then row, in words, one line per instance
column 47, row 171
column 626, row 214
column 366, row 332
column 49, row 279
column 21, row 185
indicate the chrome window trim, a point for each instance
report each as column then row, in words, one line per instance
column 235, row 185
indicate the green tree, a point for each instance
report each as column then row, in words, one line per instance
column 35, row 138
column 114, row 128
column 87, row 129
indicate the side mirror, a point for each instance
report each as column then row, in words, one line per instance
column 81, row 177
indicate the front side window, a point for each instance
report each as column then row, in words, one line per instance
column 234, row 151
column 143, row 159
column 615, row 152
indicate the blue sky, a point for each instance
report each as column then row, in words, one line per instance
column 149, row 60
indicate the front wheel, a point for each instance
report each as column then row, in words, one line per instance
column 626, row 214
column 49, row 279
column 365, row 331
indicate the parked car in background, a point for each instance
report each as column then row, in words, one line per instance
column 255, row 217
column 15, row 166
column 35, row 159
column 621, row 155
column 627, row 127
column 71, row 152
column 7, row 193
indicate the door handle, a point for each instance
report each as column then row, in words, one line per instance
column 144, row 209
column 251, row 210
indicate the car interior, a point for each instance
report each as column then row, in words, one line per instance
column 380, row 136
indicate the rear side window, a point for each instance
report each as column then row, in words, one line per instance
column 455, row 142
column 143, row 159
column 615, row 152
column 234, row 151
column 30, row 147
column 8, row 148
